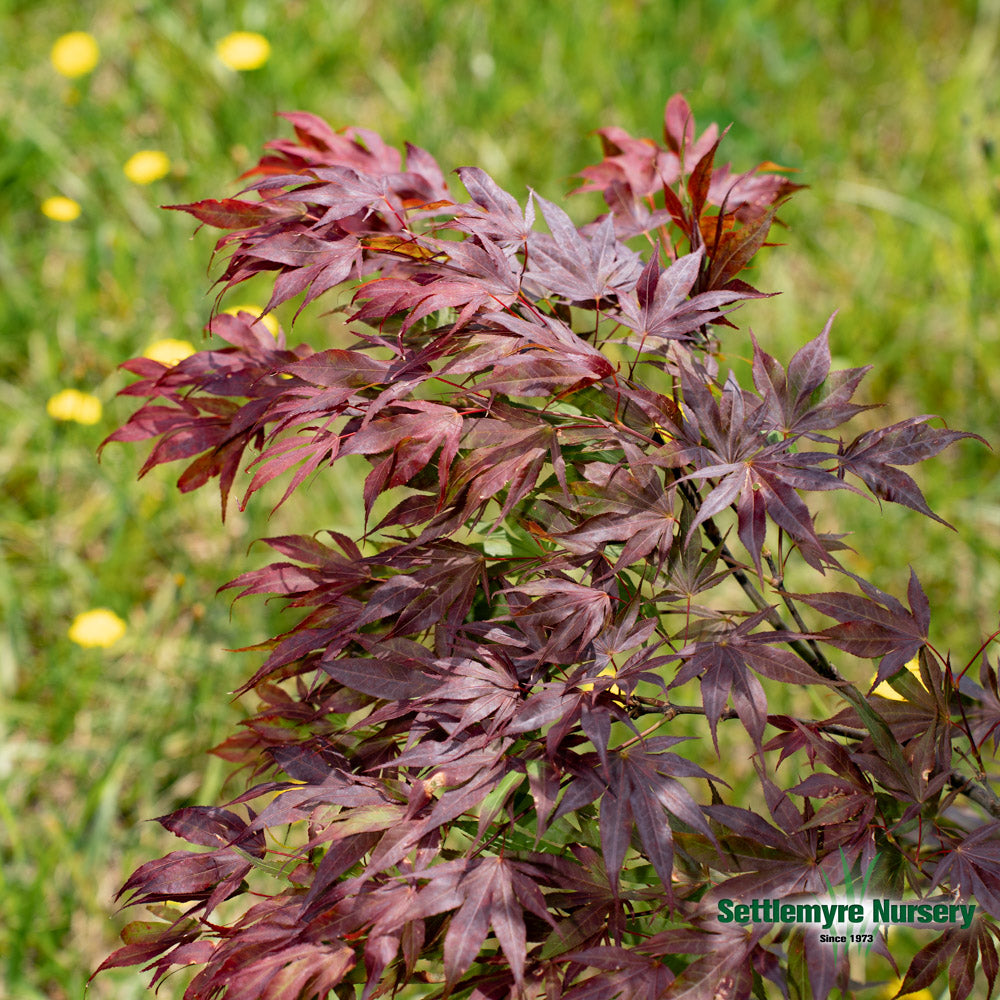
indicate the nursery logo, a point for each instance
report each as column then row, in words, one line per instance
column 853, row 918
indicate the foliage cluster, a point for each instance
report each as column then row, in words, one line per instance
column 464, row 766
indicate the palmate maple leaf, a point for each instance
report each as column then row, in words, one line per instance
column 724, row 664
column 325, row 568
column 508, row 459
column 848, row 788
column 423, row 586
column 639, row 788
column 985, row 711
column 473, row 895
column 216, row 430
column 728, row 956
column 808, row 397
column 644, row 166
column 785, row 859
column 968, row 954
column 661, row 306
column 582, row 890
column 581, row 269
column 872, row 456
column 759, row 478
column 632, row 506
column 340, row 186
column 209, row 877
column 875, row 625
column 545, row 357
column 634, row 172
column 316, row 143
column 493, row 214
column 971, row 867
column 307, row 259
column 409, row 434
column 264, row 960
column 484, row 893
column 332, row 587
column 638, row 165
column 257, row 218
column 433, row 583
column 485, row 690
column 627, row 975
column 569, row 615
column 750, row 194
column 359, row 201
column 468, row 277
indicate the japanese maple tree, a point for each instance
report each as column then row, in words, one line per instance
column 483, row 756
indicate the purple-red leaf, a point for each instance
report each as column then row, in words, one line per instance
column 872, row 455
column 232, row 213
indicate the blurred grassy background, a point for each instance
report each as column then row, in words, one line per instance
column 891, row 112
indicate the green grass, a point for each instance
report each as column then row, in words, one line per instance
column 888, row 110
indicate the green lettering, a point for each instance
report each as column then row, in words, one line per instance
column 742, row 913
column 725, row 911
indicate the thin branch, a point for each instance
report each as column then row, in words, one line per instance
column 813, row 657
column 974, row 788
column 779, row 581
column 981, row 794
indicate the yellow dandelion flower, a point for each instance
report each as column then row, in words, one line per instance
column 886, row 690
column 60, row 209
column 146, row 166
column 75, row 54
column 890, row 989
column 98, row 627
column 168, row 351
column 243, row 50
column 71, row 404
column 608, row 671
column 269, row 320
